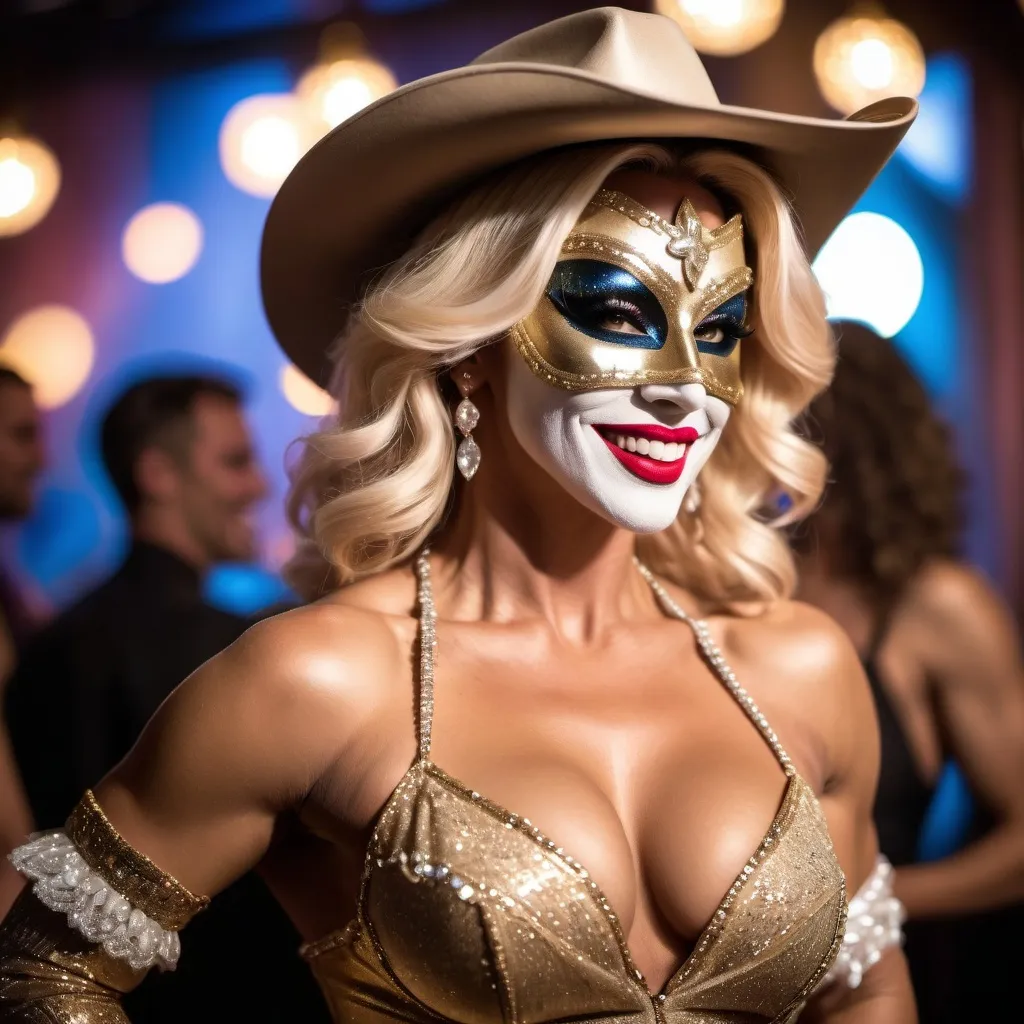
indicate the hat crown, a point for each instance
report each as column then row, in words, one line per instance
column 640, row 52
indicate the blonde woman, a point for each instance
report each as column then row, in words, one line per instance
column 523, row 776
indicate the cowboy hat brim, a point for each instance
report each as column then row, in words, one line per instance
column 355, row 201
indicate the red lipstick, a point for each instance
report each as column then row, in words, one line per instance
column 652, row 470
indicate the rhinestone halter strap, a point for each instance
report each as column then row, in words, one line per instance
column 708, row 648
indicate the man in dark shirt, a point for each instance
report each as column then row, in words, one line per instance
column 180, row 456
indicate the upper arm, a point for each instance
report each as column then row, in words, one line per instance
column 974, row 664
column 240, row 741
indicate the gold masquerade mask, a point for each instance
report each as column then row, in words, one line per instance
column 635, row 299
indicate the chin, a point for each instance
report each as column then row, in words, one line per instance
column 610, row 489
column 628, row 460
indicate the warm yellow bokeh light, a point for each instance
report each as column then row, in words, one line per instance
column 162, row 242
column 29, row 183
column 262, row 139
column 334, row 92
column 724, row 28
column 302, row 394
column 862, row 59
column 52, row 348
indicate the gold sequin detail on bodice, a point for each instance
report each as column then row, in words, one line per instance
column 468, row 913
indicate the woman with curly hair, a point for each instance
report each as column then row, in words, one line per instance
column 941, row 651
column 518, row 761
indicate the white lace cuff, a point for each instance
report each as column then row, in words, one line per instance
column 65, row 883
column 873, row 925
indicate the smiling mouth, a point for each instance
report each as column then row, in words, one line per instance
column 652, row 452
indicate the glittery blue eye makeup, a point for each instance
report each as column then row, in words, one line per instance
column 720, row 331
column 608, row 304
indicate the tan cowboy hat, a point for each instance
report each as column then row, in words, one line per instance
column 355, row 200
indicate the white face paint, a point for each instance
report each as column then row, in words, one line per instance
column 641, row 491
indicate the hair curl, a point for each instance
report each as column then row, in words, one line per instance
column 894, row 500
column 374, row 482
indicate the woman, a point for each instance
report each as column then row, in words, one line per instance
column 578, row 312
column 942, row 655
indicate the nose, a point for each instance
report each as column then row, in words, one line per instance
column 685, row 397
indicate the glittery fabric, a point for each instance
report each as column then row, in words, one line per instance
column 129, row 872
column 689, row 268
column 49, row 973
column 468, row 913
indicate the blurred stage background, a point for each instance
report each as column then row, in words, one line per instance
column 139, row 103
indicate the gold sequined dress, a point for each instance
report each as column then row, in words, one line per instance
column 468, row 913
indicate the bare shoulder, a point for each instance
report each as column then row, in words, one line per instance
column 960, row 621
column 953, row 594
column 330, row 652
column 285, row 700
column 797, row 646
column 804, row 670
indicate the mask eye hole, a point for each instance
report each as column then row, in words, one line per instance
column 608, row 304
column 720, row 331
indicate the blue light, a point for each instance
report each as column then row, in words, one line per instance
column 58, row 539
column 198, row 19
column 938, row 146
column 948, row 820
column 246, row 589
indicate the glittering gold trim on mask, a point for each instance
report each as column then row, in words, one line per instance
column 717, row 292
column 688, row 239
column 130, row 873
column 615, row 378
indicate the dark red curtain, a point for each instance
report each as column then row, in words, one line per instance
column 996, row 274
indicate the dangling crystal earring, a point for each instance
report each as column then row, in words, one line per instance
column 467, row 458
column 692, row 500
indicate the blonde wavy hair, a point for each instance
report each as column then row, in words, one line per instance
column 374, row 482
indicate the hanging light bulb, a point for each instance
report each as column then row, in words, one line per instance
column 162, row 242
column 865, row 57
column 346, row 79
column 302, row 394
column 52, row 347
column 29, row 183
column 724, row 28
column 261, row 140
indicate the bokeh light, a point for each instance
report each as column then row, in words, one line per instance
column 52, row 348
column 162, row 242
column 29, row 183
column 870, row 270
column 861, row 59
column 724, row 28
column 302, row 394
column 261, row 140
column 334, row 92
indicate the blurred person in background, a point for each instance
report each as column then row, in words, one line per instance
column 942, row 654
column 181, row 458
column 22, row 459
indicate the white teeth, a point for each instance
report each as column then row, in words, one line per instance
column 661, row 451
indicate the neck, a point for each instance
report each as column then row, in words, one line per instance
column 154, row 526
column 510, row 555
